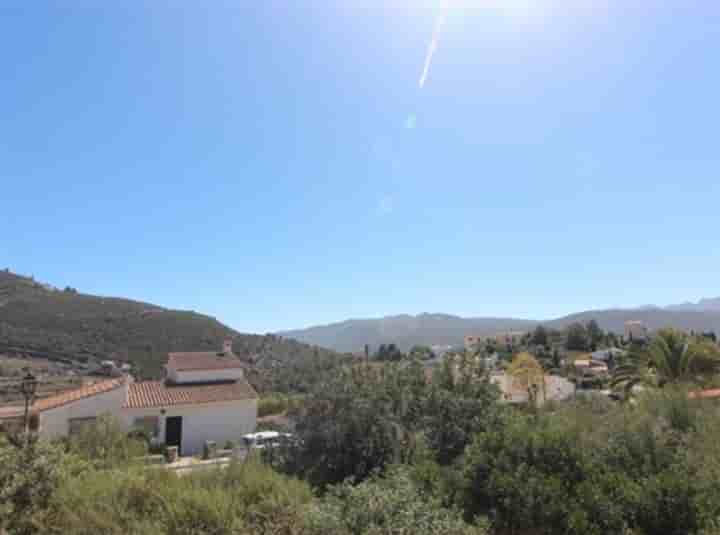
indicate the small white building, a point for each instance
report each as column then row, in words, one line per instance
column 636, row 331
column 501, row 339
column 606, row 355
column 204, row 396
column 556, row 388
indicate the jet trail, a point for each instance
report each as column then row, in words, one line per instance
column 432, row 47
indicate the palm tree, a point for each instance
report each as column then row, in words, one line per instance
column 671, row 357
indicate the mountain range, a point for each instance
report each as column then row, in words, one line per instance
column 41, row 320
column 444, row 329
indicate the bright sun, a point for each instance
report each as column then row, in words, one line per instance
column 520, row 9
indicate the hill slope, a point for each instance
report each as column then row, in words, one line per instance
column 41, row 320
column 429, row 329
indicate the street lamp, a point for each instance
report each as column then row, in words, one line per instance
column 28, row 387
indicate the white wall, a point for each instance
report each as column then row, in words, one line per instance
column 215, row 421
column 205, row 376
column 54, row 422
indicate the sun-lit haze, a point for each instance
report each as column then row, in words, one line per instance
column 283, row 164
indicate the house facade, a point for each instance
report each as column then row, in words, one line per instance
column 501, row 339
column 204, row 396
column 636, row 331
column 555, row 388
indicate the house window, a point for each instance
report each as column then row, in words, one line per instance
column 78, row 425
column 149, row 424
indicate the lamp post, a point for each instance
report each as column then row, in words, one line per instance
column 28, row 387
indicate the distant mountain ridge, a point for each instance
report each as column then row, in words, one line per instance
column 704, row 305
column 445, row 329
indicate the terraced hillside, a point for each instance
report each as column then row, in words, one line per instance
column 37, row 319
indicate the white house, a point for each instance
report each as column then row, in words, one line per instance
column 556, row 388
column 204, row 396
column 605, row 355
column 501, row 339
column 636, row 331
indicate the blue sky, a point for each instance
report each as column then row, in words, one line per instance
column 276, row 165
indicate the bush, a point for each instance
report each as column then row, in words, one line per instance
column 29, row 478
column 385, row 505
column 651, row 469
column 106, row 444
column 248, row 498
column 272, row 405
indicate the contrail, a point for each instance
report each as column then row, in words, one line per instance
column 432, row 47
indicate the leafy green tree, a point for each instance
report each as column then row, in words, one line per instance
column 556, row 359
column 577, row 337
column 389, row 353
column 540, row 336
column 670, row 357
column 359, row 422
column 595, row 334
column 611, row 339
column 421, row 353
column 460, row 403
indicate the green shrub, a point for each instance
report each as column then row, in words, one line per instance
column 247, row 498
column 106, row 444
column 29, row 478
column 271, row 405
column 651, row 469
column 385, row 505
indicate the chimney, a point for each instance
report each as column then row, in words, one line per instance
column 227, row 347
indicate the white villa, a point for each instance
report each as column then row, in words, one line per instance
column 502, row 339
column 556, row 389
column 636, row 331
column 204, row 396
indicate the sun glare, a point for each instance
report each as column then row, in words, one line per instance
column 519, row 10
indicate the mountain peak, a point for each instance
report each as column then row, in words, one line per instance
column 706, row 304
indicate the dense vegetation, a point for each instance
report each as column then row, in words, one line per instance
column 383, row 449
column 42, row 321
column 647, row 467
column 396, row 445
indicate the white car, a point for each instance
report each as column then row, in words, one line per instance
column 265, row 439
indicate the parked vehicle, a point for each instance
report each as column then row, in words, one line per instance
column 265, row 439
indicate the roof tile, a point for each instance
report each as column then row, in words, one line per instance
column 705, row 394
column 203, row 361
column 58, row 400
column 148, row 394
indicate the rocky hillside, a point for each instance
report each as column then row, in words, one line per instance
column 40, row 320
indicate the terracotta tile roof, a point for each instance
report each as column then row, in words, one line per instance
column 58, row 400
column 203, row 361
column 705, row 394
column 158, row 394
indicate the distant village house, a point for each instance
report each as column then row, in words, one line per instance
column 503, row 339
